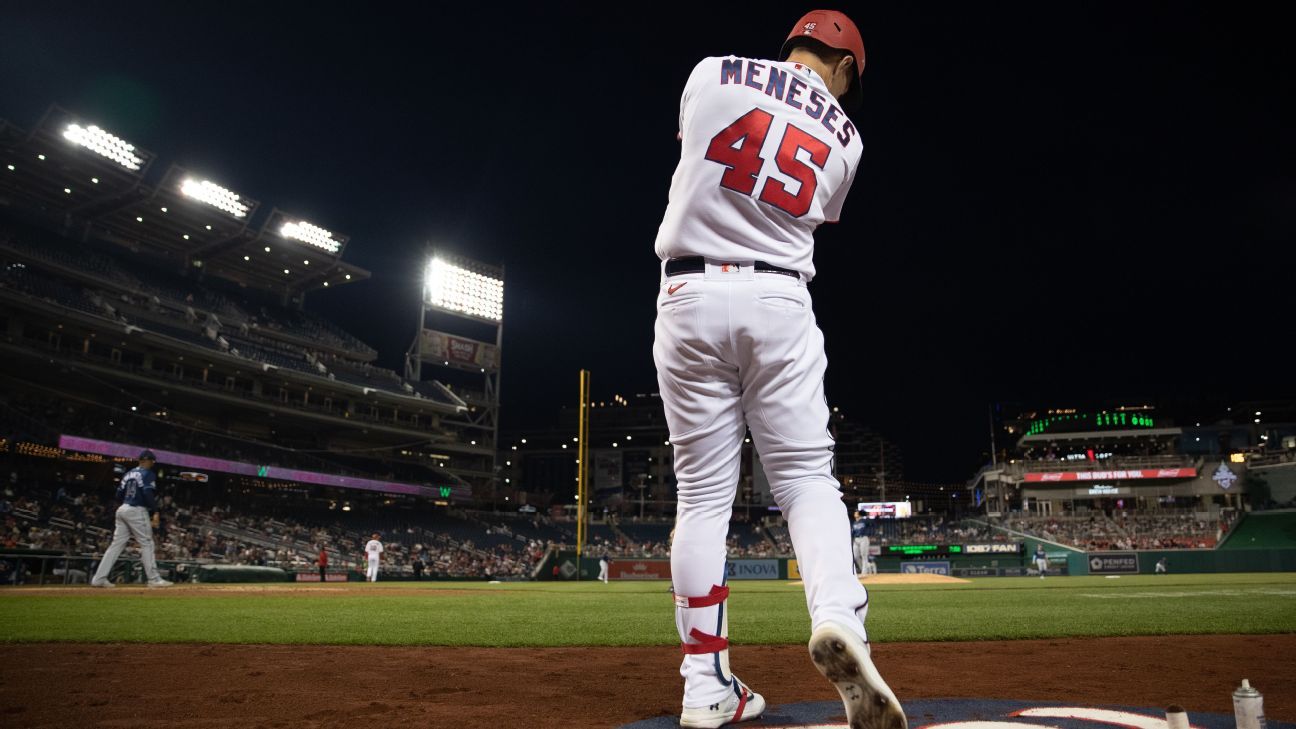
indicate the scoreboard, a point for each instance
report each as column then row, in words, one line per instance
column 951, row 550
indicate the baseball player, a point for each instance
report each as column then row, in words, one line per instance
column 137, row 493
column 1041, row 560
column 603, row 568
column 860, row 542
column 767, row 155
column 373, row 552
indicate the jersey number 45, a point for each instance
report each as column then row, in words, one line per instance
column 738, row 148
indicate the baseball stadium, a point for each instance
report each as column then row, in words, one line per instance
column 326, row 541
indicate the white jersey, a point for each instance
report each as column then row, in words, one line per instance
column 373, row 549
column 767, row 157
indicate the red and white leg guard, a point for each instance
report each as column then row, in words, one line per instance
column 703, row 624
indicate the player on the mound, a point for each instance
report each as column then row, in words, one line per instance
column 768, row 154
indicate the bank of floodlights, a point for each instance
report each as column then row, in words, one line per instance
column 104, row 144
column 309, row 234
column 456, row 287
column 206, row 191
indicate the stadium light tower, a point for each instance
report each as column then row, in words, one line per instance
column 105, row 144
column 206, row 191
column 473, row 293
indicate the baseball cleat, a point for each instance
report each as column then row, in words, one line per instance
column 160, row 583
column 101, row 583
column 843, row 658
column 741, row 705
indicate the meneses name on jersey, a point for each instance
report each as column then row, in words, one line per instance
column 788, row 90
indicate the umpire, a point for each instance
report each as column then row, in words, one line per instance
column 138, row 494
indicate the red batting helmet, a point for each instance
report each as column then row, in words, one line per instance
column 833, row 29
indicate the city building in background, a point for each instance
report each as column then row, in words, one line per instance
column 632, row 470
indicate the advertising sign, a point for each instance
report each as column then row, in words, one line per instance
column 1133, row 473
column 314, row 576
column 752, row 569
column 437, row 346
column 925, row 568
column 1113, row 563
column 639, row 569
column 886, row 509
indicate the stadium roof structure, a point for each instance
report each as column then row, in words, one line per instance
column 74, row 174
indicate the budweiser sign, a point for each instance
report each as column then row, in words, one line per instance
column 1125, row 475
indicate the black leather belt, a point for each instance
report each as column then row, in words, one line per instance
column 697, row 264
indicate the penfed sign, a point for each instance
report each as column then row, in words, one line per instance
column 1113, row 563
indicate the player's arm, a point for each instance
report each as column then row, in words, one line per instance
column 688, row 100
column 149, row 491
column 833, row 210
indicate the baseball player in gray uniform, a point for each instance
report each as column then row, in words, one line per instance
column 860, row 543
column 137, row 493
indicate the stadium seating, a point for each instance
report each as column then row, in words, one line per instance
column 1264, row 530
column 61, row 254
column 28, row 414
column 1125, row 531
column 83, row 279
column 77, row 519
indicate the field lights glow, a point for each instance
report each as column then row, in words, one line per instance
column 104, row 144
column 311, row 235
column 215, row 196
column 458, row 289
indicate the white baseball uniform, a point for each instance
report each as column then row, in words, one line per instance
column 767, row 156
column 374, row 550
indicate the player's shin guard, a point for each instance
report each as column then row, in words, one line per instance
column 703, row 623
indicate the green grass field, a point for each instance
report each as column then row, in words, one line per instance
column 640, row 613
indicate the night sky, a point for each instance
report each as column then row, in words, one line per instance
column 1058, row 204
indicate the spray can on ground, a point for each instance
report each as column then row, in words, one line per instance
column 1248, row 707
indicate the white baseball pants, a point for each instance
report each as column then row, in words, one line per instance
column 736, row 349
column 132, row 521
column 371, row 572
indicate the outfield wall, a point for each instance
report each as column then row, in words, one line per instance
column 1186, row 561
column 563, row 565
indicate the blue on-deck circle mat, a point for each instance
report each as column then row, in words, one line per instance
column 987, row 713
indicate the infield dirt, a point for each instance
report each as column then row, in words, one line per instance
column 274, row 686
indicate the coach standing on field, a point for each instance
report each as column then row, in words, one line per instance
column 138, row 495
column 322, row 561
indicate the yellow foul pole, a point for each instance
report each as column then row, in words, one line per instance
column 582, row 466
